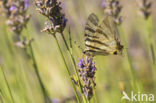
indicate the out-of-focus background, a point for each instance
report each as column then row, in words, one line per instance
column 113, row 72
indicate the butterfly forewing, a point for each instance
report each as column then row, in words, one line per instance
column 101, row 39
column 91, row 25
column 90, row 29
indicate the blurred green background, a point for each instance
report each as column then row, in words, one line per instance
column 113, row 72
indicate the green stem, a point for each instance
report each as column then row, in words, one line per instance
column 13, row 101
column 73, row 62
column 128, row 57
column 45, row 94
column 95, row 97
column 1, row 99
column 150, row 38
column 59, row 48
column 8, row 38
column 151, row 46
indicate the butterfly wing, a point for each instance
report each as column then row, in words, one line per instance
column 103, row 40
column 91, row 25
column 90, row 29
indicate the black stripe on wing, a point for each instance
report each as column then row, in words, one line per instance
column 100, row 31
column 96, row 41
column 91, row 36
column 92, row 47
column 89, row 29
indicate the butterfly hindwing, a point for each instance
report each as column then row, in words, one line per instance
column 107, row 32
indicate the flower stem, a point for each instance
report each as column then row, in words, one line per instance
column 45, row 94
column 1, row 99
column 13, row 101
column 73, row 62
column 95, row 97
column 128, row 57
column 59, row 48
column 150, row 37
column 151, row 46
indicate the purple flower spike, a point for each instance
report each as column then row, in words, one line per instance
column 52, row 10
column 145, row 7
column 87, row 73
column 26, row 4
column 113, row 8
column 16, row 14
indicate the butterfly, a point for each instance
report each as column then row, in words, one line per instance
column 102, row 38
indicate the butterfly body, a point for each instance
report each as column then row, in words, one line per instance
column 101, row 39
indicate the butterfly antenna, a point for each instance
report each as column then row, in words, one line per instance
column 82, row 50
column 78, row 45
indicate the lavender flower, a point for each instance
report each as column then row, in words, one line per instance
column 13, row 7
column 16, row 14
column 113, row 8
column 52, row 10
column 26, row 4
column 6, row 4
column 145, row 6
column 87, row 73
column 24, row 44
